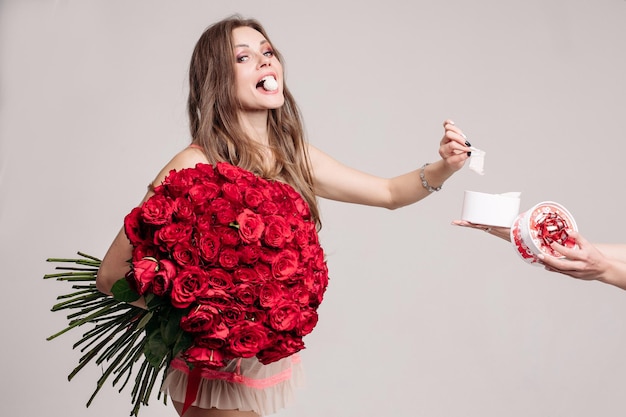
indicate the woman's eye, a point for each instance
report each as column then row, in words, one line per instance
column 242, row 58
column 268, row 53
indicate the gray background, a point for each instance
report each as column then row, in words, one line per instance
column 421, row 318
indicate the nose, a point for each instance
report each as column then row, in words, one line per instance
column 264, row 61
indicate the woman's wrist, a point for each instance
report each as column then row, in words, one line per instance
column 425, row 182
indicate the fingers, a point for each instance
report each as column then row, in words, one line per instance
column 565, row 266
column 498, row 231
column 454, row 141
column 569, row 252
column 465, row 223
column 453, row 133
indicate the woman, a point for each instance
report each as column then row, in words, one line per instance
column 242, row 112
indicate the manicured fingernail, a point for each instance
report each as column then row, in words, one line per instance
column 468, row 144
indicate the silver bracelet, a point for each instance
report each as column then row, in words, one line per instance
column 425, row 183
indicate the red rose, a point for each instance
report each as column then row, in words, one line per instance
column 232, row 192
column 264, row 271
column 202, row 193
column 202, row 319
column 217, row 298
column 308, row 253
column 204, row 222
column 277, row 231
column 317, row 283
column 206, row 171
column 223, row 209
column 319, row 262
column 132, row 226
column 172, row 234
column 144, row 250
column 228, row 171
column 300, row 294
column 144, row 271
column 246, row 275
column 209, row 246
column 163, row 278
column 177, row 183
column 228, row 235
column 299, row 203
column 190, row 283
column 219, row 279
column 157, row 210
column 284, row 316
column 206, row 357
column 268, row 207
column 249, row 180
column 307, row 321
column 183, row 210
column 232, row 315
column 216, row 338
column 251, row 226
column 185, row 254
column 252, row 197
column 273, row 192
column 282, row 347
column 246, row 293
column 267, row 255
column 249, row 254
column 228, row 258
column 271, row 293
column 303, row 235
column 285, row 264
column 247, row 338
column 257, row 315
column 295, row 203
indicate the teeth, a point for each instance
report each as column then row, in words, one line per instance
column 269, row 83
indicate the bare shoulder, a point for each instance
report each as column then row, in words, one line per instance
column 187, row 158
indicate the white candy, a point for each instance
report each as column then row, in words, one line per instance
column 270, row 83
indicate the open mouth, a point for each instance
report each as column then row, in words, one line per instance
column 268, row 83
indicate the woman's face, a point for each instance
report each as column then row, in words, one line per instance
column 255, row 60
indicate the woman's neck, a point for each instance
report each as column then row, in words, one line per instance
column 254, row 124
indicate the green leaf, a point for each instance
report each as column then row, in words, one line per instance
column 145, row 320
column 123, row 292
column 153, row 301
column 184, row 341
column 156, row 350
column 170, row 326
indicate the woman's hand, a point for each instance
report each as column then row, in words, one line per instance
column 498, row 231
column 453, row 147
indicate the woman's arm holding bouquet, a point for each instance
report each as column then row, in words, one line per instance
column 336, row 181
column 115, row 263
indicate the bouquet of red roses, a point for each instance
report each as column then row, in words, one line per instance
column 237, row 256
column 230, row 266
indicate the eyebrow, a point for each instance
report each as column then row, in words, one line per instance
column 245, row 45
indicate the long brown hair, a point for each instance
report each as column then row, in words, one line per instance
column 213, row 114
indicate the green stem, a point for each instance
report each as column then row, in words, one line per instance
column 81, row 322
column 59, row 275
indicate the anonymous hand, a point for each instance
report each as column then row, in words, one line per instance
column 498, row 231
column 584, row 262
